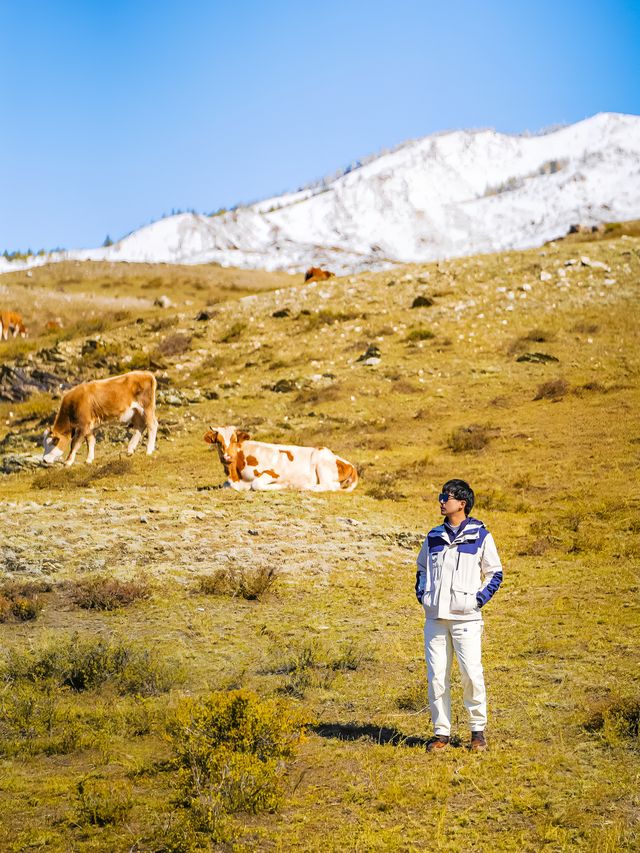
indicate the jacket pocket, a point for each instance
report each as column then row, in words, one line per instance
column 462, row 601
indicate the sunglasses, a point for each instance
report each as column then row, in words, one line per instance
column 444, row 498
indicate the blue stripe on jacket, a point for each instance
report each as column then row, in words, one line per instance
column 490, row 589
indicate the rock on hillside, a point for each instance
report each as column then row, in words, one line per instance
column 445, row 195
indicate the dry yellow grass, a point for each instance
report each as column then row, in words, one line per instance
column 554, row 482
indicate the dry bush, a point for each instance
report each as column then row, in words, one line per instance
column 87, row 663
column 471, row 438
column 70, row 478
column 590, row 388
column 310, row 665
column 553, row 389
column 538, row 336
column 420, row 334
column 250, row 584
column 319, row 395
column 414, row 698
column 536, row 547
column 585, row 328
column 233, row 332
column 617, row 720
column 229, row 750
column 108, row 593
column 327, row 317
column 175, row 344
column 19, row 600
column 102, row 802
column 384, row 489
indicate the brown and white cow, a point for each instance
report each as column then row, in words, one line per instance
column 11, row 324
column 130, row 398
column 317, row 274
column 254, row 465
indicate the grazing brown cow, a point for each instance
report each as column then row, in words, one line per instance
column 317, row 274
column 254, row 465
column 11, row 324
column 130, row 398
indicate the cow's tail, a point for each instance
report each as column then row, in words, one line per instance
column 348, row 476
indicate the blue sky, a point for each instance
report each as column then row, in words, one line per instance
column 114, row 114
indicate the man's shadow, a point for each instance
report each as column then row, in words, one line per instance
column 377, row 734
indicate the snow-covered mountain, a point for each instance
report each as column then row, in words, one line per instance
column 445, row 195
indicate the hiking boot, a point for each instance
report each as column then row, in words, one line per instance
column 478, row 742
column 437, row 742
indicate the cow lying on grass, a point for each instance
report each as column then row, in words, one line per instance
column 266, row 467
column 130, row 398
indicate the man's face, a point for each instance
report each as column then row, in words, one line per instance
column 450, row 505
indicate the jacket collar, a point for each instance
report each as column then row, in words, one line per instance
column 469, row 533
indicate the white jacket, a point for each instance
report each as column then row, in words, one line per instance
column 456, row 578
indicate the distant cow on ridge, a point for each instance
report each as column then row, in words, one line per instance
column 11, row 324
column 317, row 274
column 254, row 465
column 130, row 398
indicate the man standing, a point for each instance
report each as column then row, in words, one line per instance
column 458, row 572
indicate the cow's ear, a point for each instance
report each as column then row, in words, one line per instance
column 241, row 435
column 211, row 436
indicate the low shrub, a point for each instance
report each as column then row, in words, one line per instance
column 175, row 344
column 327, row 317
column 553, row 389
column 311, row 665
column 233, row 332
column 102, row 802
column 85, row 663
column 137, row 360
column 228, row 750
column 414, row 698
column 108, row 593
column 250, row 584
column 617, row 720
column 471, row 438
column 81, row 477
column 420, row 335
column 538, row 336
column 20, row 601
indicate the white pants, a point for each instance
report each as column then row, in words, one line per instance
column 441, row 638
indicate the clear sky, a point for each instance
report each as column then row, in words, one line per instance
column 115, row 113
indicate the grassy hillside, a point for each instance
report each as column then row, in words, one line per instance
column 133, row 584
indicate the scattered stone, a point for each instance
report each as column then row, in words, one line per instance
column 371, row 357
column 281, row 312
column 17, row 384
column 284, row 386
column 599, row 265
column 54, row 354
column 537, row 357
column 422, row 302
column 205, row 315
column 545, row 276
column 15, row 462
column 144, row 519
column 163, row 302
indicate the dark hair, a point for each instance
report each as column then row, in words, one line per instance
column 461, row 491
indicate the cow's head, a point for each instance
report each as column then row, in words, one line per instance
column 22, row 330
column 52, row 447
column 227, row 440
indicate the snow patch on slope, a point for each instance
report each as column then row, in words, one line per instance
column 445, row 195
